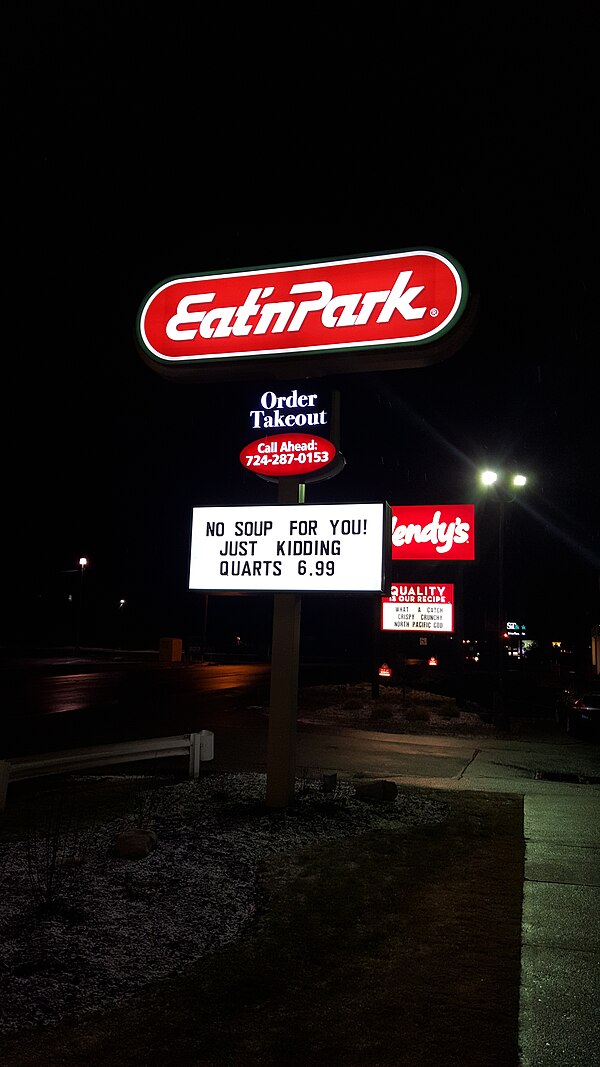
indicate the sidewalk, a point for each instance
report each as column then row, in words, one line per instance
column 559, row 1024
column 560, row 955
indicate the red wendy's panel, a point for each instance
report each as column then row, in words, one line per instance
column 434, row 531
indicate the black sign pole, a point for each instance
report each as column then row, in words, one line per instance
column 285, row 654
column 376, row 653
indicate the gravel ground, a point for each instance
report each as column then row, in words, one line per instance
column 118, row 924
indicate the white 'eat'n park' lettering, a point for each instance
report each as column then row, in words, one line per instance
column 352, row 309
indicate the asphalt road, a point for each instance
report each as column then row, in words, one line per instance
column 66, row 702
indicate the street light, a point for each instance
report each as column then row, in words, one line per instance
column 503, row 484
column 491, row 477
column 83, row 562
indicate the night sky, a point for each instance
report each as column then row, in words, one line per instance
column 140, row 149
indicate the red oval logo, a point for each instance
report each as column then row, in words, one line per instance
column 376, row 302
column 296, row 454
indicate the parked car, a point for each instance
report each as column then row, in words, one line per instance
column 579, row 712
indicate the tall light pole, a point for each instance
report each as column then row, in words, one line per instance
column 82, row 564
column 121, row 627
column 503, row 487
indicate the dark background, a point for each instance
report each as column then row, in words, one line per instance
column 143, row 145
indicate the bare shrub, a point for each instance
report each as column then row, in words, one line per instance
column 305, row 780
column 417, row 715
column 316, row 696
column 431, row 699
column 146, row 802
column 382, row 711
column 6, row 860
column 57, row 847
column 449, row 711
column 353, row 704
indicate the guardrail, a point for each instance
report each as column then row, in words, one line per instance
column 197, row 747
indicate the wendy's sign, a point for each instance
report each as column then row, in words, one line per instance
column 433, row 531
column 383, row 311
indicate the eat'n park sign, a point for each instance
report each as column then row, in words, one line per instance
column 383, row 311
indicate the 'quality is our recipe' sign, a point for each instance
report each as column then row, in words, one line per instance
column 416, row 606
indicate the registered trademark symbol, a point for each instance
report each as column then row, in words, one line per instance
column 434, row 313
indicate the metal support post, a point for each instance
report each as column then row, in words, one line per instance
column 285, row 654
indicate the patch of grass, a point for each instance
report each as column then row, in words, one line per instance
column 387, row 950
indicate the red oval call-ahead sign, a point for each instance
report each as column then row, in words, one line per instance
column 285, row 455
column 389, row 300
